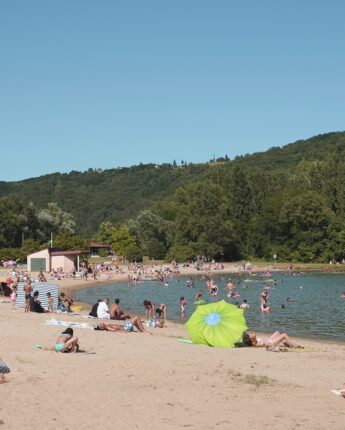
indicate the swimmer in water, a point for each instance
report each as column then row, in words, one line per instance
column 265, row 308
column 264, row 298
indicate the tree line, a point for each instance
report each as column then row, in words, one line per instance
column 287, row 201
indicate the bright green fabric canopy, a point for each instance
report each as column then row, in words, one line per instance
column 219, row 324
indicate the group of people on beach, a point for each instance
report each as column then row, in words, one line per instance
column 156, row 314
column 33, row 303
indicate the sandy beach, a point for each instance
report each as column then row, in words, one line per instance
column 153, row 381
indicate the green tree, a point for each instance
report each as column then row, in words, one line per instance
column 17, row 216
column 69, row 242
column 106, row 232
column 55, row 220
column 125, row 244
column 153, row 232
column 202, row 220
column 180, row 253
column 305, row 223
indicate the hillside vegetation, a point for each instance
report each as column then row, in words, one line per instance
column 288, row 201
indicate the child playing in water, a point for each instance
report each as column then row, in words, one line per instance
column 183, row 304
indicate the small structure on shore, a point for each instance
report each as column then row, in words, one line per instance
column 96, row 247
column 50, row 259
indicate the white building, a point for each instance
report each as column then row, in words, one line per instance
column 50, row 258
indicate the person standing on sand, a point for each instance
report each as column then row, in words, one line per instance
column 27, row 291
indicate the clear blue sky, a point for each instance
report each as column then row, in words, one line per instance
column 110, row 83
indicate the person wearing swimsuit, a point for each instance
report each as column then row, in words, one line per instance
column 273, row 340
column 127, row 326
column 66, row 342
column 27, row 290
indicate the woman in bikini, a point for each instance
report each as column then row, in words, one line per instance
column 273, row 340
column 66, row 342
column 127, row 326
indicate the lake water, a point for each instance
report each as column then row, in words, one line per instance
column 317, row 311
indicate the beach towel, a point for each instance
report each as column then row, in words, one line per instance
column 55, row 322
column 184, row 340
column 296, row 349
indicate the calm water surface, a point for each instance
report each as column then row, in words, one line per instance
column 316, row 311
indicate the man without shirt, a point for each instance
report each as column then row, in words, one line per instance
column 116, row 312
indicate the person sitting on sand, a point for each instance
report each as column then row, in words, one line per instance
column 66, row 342
column 116, row 311
column 35, row 304
column 93, row 312
column 273, row 340
column 159, row 321
column 103, row 309
column 66, row 301
column 126, row 327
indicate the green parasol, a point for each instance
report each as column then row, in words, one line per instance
column 217, row 324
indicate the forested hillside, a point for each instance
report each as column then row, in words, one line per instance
column 97, row 195
column 287, row 201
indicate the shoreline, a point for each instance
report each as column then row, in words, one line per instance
column 68, row 286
